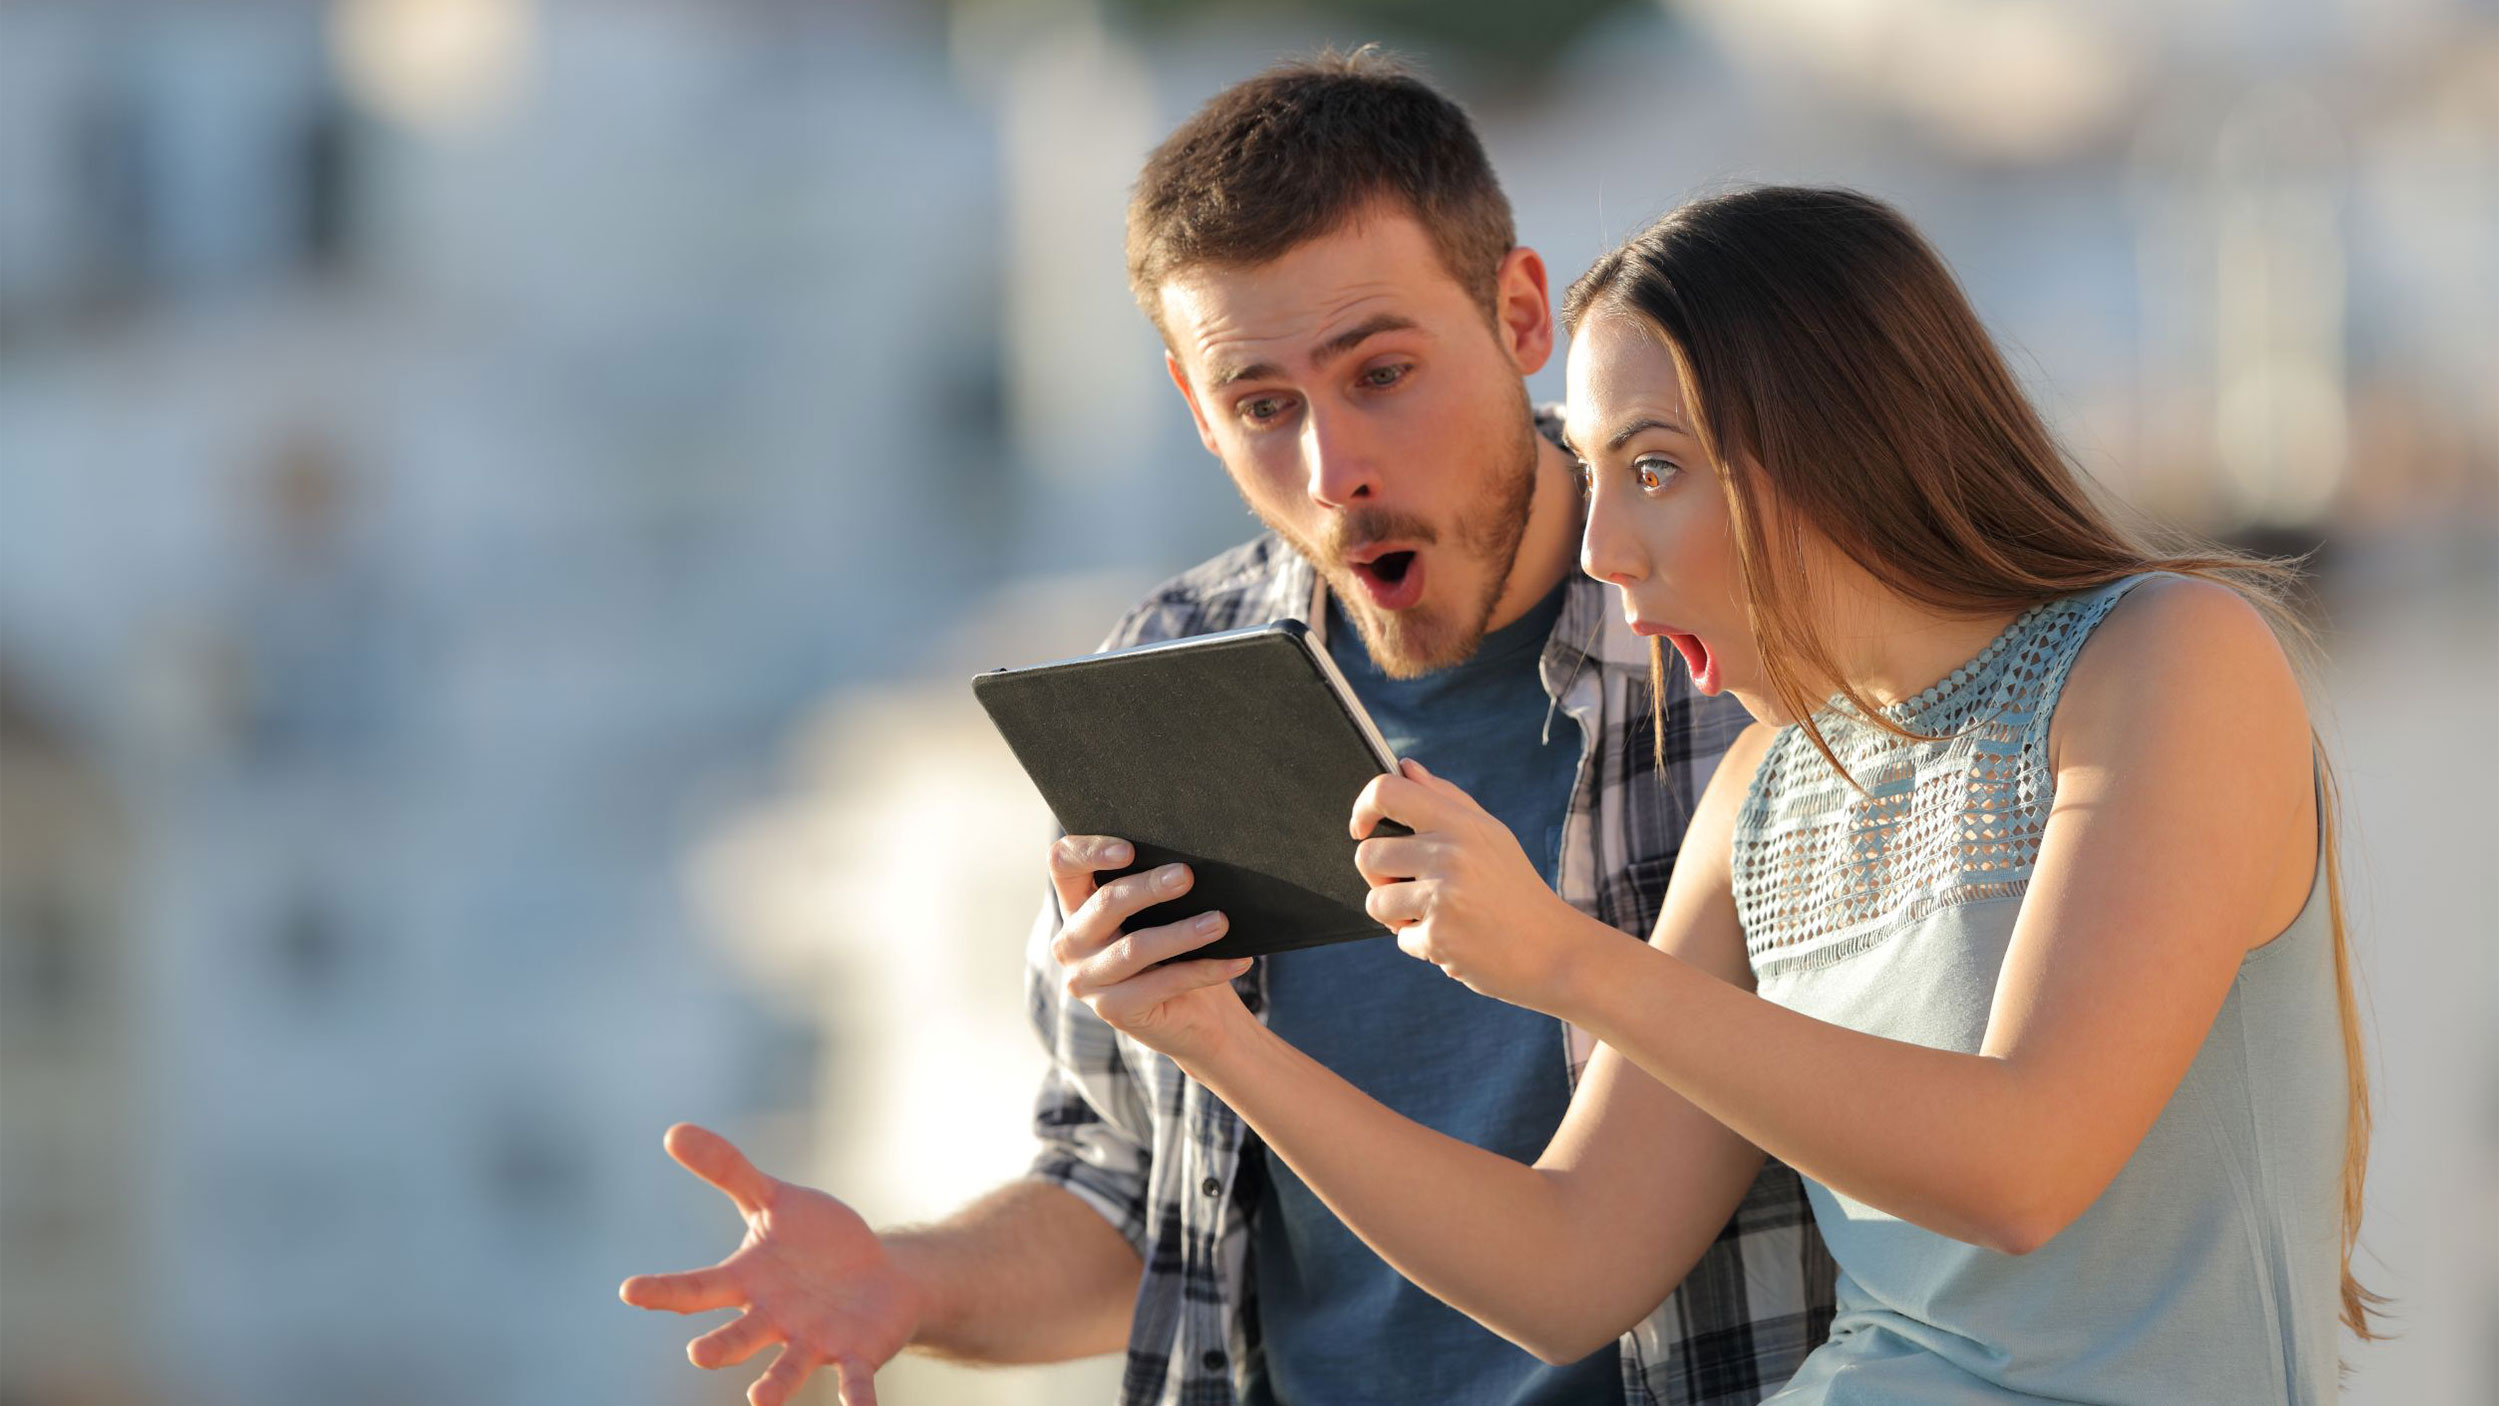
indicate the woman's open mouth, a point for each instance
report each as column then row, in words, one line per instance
column 1393, row 579
column 1697, row 660
column 1697, row 657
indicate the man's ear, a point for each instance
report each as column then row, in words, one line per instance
column 1197, row 412
column 1521, row 311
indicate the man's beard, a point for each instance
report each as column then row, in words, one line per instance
column 1423, row 638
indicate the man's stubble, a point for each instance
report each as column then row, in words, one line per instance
column 1408, row 643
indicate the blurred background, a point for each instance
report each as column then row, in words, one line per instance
column 499, row 500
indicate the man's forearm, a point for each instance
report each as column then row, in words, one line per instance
column 1028, row 1273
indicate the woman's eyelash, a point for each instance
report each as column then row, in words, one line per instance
column 1645, row 469
column 1657, row 467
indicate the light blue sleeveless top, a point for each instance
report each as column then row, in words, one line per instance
column 2209, row 1270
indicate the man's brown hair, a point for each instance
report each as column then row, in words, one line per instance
column 1294, row 153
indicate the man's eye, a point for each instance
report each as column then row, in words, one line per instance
column 1261, row 409
column 1380, row 376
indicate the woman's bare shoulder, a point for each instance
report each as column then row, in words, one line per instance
column 2181, row 658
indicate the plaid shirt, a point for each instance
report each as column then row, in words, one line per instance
column 1160, row 1157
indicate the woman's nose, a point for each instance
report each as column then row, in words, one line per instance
column 1607, row 552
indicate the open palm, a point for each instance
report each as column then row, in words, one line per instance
column 809, row 1275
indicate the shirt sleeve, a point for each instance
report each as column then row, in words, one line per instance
column 1091, row 1118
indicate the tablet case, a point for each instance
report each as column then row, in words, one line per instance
column 1239, row 754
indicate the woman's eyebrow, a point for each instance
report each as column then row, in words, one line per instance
column 1624, row 435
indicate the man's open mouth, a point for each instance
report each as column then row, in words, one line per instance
column 1389, row 568
column 1393, row 579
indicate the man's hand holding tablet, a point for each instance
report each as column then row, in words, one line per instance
column 1236, row 757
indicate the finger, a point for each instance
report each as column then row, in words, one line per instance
column 695, row 1291
column 715, row 1159
column 1097, row 924
column 1387, row 797
column 732, row 1342
column 1076, row 859
column 858, row 1384
column 1141, row 994
column 782, row 1380
column 1367, row 810
column 1386, row 859
column 1395, row 905
column 1128, row 956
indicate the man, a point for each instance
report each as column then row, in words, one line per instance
column 1344, row 308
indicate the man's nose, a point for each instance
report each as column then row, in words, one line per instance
column 1337, row 460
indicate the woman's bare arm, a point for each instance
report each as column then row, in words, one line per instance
column 2182, row 834
column 1560, row 1257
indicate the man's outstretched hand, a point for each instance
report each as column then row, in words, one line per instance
column 810, row 1276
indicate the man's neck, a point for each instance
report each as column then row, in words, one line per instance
column 1550, row 549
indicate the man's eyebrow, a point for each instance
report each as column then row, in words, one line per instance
column 1329, row 350
column 1223, row 376
column 1361, row 332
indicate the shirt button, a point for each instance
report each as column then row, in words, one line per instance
column 1212, row 1187
column 1214, row 1359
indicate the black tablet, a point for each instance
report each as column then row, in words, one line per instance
column 1239, row 754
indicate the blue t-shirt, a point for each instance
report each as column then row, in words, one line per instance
column 1338, row 1324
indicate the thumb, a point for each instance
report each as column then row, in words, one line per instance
column 1417, row 771
column 717, row 1160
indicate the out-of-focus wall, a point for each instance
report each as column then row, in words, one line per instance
column 499, row 498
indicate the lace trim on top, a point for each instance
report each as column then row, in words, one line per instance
column 1823, row 871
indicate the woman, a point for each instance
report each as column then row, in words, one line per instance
column 2013, row 924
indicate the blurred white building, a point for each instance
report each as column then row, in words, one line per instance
column 418, row 524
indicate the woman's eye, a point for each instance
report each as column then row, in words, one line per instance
column 1583, row 474
column 1653, row 472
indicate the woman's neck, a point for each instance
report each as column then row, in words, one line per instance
column 1890, row 647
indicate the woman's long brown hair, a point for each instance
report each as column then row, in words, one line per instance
column 1840, row 383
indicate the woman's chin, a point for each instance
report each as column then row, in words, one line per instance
column 1764, row 706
